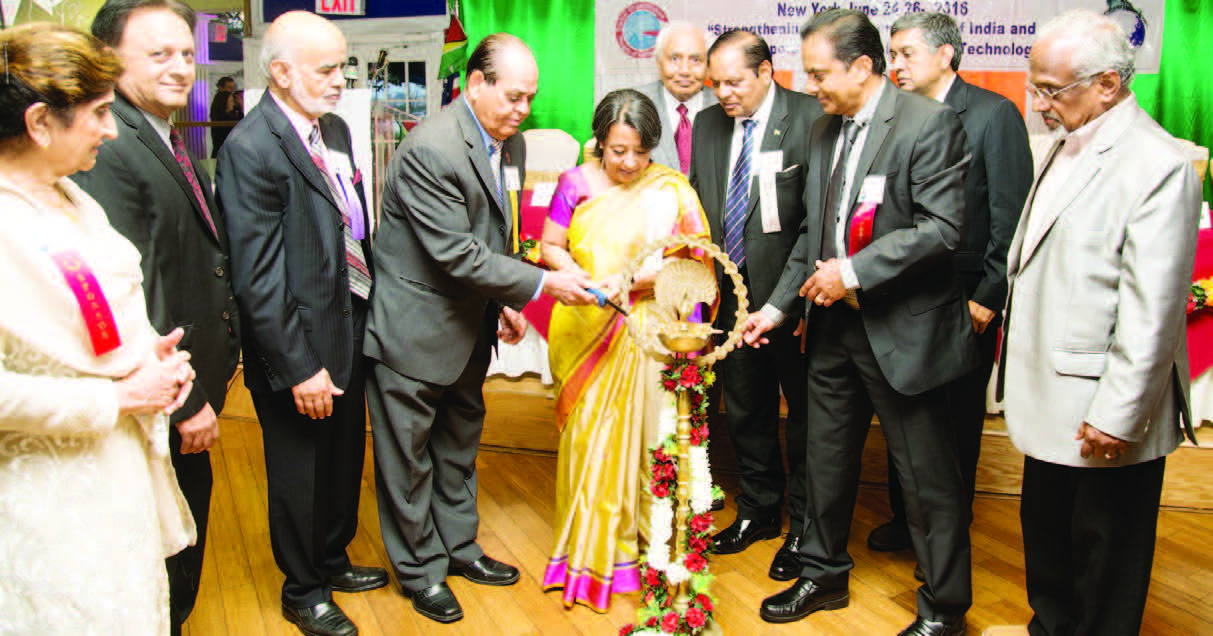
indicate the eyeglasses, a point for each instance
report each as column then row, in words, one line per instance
column 1049, row 94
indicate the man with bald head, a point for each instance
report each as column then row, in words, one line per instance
column 302, row 272
column 447, row 292
column 682, row 64
column 1095, row 366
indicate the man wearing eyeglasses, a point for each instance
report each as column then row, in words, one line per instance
column 1094, row 366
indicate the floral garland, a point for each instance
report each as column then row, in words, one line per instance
column 1199, row 296
column 658, row 616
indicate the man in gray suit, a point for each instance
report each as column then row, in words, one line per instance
column 925, row 51
column 757, row 123
column 682, row 63
column 1095, row 365
column 886, row 321
column 445, row 284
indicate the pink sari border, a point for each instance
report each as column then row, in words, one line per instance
column 589, row 588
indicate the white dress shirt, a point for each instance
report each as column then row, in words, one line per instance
column 862, row 118
column 694, row 105
column 760, row 119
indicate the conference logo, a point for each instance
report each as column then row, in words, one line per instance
column 637, row 28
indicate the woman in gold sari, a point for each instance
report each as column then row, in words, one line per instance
column 607, row 391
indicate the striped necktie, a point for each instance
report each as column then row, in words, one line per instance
column 360, row 274
column 495, row 164
column 187, row 166
column 737, row 202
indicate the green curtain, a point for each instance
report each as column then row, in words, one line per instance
column 561, row 34
column 1176, row 96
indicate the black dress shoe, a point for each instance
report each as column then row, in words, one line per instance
column 437, row 602
column 359, row 579
column 325, row 619
column 786, row 565
column 924, row 627
column 893, row 536
column 800, row 600
column 743, row 533
column 487, row 571
column 919, row 573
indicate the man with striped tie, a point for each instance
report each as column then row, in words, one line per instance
column 751, row 153
column 302, row 271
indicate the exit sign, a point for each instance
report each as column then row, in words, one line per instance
column 340, row 7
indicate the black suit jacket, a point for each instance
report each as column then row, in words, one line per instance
column 792, row 114
column 444, row 238
column 1000, row 176
column 186, row 277
column 288, row 251
column 913, row 308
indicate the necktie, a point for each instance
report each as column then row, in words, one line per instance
column 833, row 206
column 187, row 166
column 495, row 164
column 737, row 201
column 360, row 275
column 682, row 139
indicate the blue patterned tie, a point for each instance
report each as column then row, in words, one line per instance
column 737, row 200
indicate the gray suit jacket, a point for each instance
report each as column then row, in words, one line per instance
column 792, row 114
column 913, row 307
column 666, row 153
column 1095, row 319
column 441, row 250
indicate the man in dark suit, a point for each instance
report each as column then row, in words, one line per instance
column 446, row 284
column 302, row 273
column 679, row 94
column 225, row 107
column 758, row 127
column 886, row 322
column 147, row 183
column 925, row 50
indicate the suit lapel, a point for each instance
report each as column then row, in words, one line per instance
column 1013, row 261
column 152, row 140
column 878, row 130
column 958, row 96
column 772, row 139
column 292, row 147
column 824, row 138
column 667, row 147
column 477, row 153
column 1084, row 171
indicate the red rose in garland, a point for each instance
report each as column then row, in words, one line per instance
column 660, row 491
column 669, row 624
column 698, row 544
column 652, row 578
column 695, row 562
column 701, row 523
column 705, row 602
column 696, row 617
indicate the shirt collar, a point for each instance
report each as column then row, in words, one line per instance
column 763, row 113
column 163, row 127
column 301, row 124
column 484, row 135
column 868, row 110
column 1085, row 135
column 942, row 94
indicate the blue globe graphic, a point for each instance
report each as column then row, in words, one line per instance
column 1132, row 24
column 640, row 30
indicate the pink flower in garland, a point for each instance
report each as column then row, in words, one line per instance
column 695, row 562
column 652, row 578
column 660, row 490
column 626, row 629
column 652, row 622
column 690, row 376
column 705, row 602
column 698, row 544
column 669, row 623
column 696, row 618
column 701, row 523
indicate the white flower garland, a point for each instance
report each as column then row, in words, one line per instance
column 701, row 480
column 661, row 511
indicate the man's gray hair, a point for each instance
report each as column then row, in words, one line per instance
column 663, row 37
column 274, row 48
column 938, row 29
column 1099, row 44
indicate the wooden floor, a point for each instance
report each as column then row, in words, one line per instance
column 240, row 588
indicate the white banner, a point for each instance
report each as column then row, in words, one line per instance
column 997, row 33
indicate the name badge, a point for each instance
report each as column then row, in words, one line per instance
column 512, row 180
column 769, row 202
column 872, row 190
